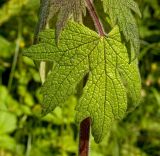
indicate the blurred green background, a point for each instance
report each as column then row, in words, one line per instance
column 24, row 133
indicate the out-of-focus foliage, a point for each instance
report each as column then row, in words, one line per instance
column 24, row 133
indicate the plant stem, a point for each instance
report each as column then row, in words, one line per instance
column 14, row 63
column 29, row 145
column 85, row 124
column 95, row 18
column 84, row 137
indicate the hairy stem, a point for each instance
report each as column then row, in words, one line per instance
column 84, row 137
column 95, row 18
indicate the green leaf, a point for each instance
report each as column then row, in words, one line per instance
column 82, row 51
column 65, row 9
column 7, row 142
column 5, row 47
column 120, row 13
column 10, row 8
column 8, row 122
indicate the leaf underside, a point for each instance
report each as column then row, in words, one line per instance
column 43, row 16
column 105, row 59
column 120, row 13
column 66, row 8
